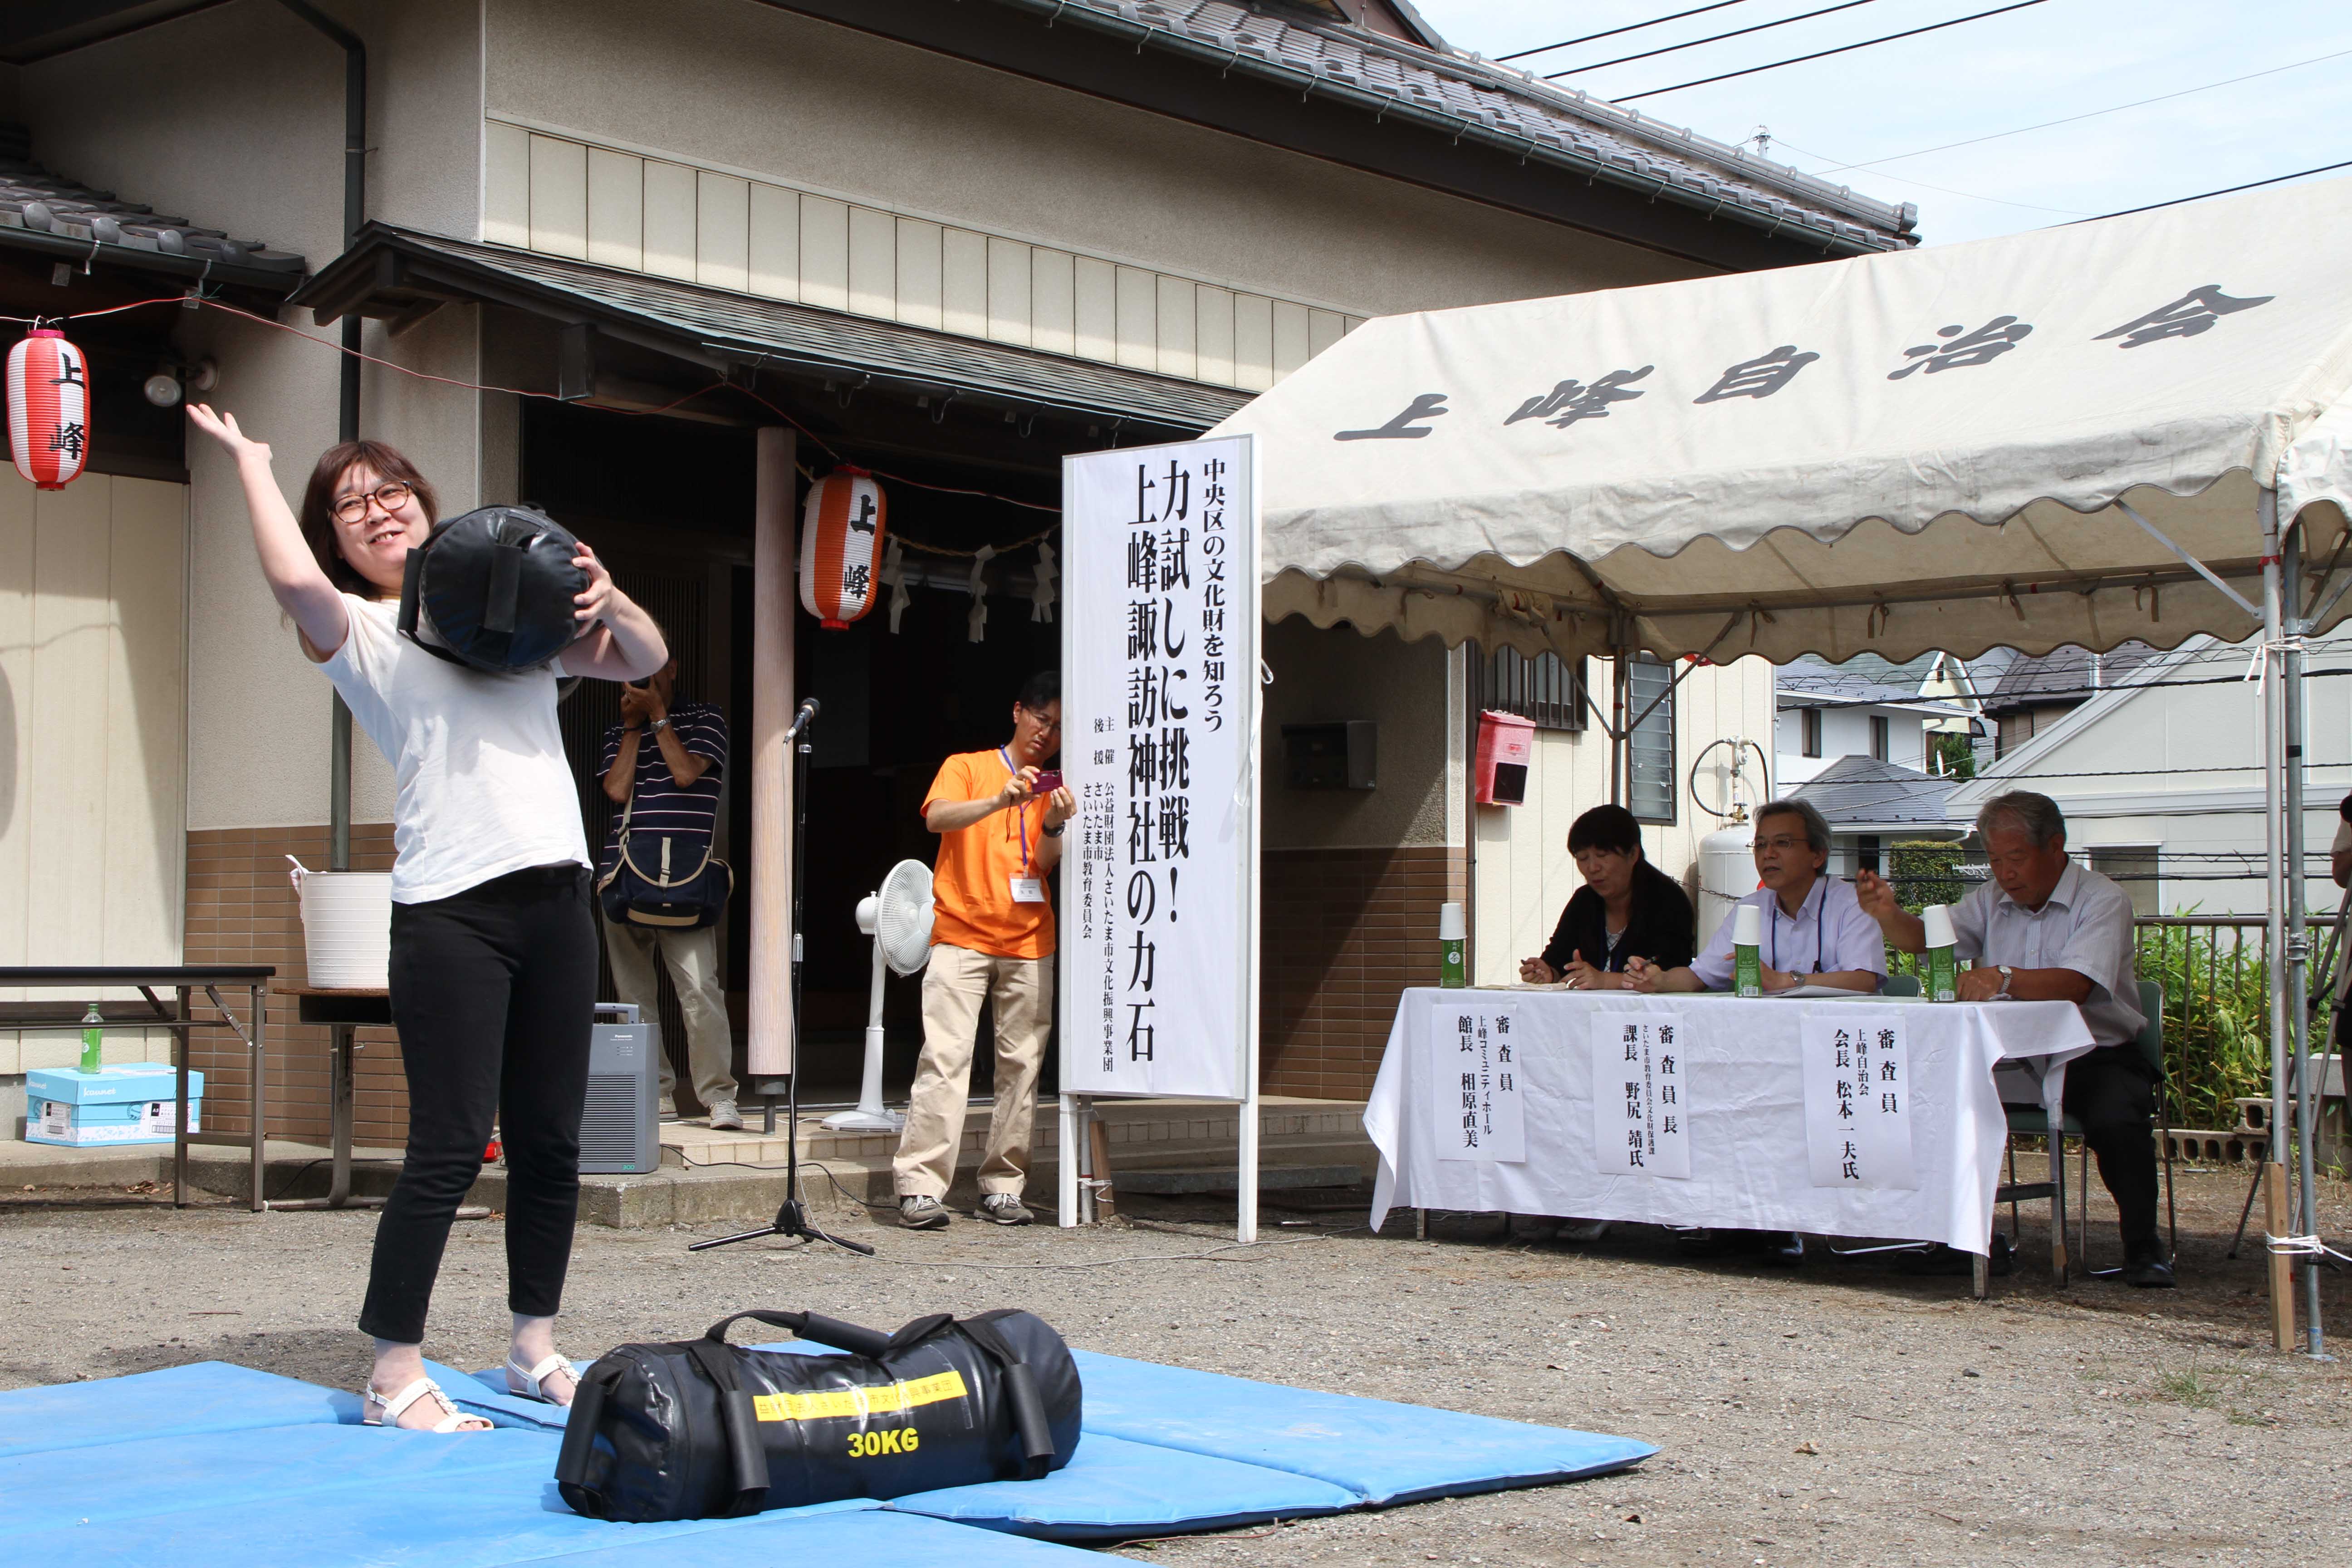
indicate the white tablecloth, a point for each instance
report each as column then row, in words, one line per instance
column 1745, row 1097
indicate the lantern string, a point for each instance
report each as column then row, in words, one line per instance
column 552, row 397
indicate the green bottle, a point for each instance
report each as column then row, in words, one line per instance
column 1452, row 940
column 1747, row 957
column 93, row 1038
column 1943, row 958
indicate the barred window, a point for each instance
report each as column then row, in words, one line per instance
column 1547, row 688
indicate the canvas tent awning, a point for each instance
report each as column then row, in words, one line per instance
column 1898, row 452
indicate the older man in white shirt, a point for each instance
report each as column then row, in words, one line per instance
column 2045, row 928
column 1815, row 932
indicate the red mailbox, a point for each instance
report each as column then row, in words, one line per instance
column 1506, row 749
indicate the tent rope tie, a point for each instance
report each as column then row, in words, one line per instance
column 2258, row 666
column 2302, row 1246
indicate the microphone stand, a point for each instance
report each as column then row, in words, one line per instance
column 791, row 1216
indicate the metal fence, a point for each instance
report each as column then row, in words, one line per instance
column 2215, row 971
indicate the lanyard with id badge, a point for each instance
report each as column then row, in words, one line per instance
column 1028, row 888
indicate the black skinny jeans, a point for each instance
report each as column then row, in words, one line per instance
column 493, row 991
column 2112, row 1093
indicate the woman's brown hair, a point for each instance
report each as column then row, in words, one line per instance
column 319, row 505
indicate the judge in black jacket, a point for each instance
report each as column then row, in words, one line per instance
column 1627, row 907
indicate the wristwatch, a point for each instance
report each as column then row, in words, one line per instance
column 657, row 726
column 1055, row 831
column 2007, row 975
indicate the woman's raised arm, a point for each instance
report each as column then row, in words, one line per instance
column 300, row 589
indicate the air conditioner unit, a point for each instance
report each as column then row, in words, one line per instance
column 620, row 1129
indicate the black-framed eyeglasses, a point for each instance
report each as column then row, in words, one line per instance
column 391, row 495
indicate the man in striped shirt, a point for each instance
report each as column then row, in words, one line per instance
column 663, row 763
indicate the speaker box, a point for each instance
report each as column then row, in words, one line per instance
column 620, row 1131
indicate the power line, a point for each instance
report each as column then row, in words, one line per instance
column 1824, row 54
column 1715, row 38
column 1632, row 28
column 2071, row 118
column 2225, row 190
column 1909, row 180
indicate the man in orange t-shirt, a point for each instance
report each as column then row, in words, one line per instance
column 991, row 940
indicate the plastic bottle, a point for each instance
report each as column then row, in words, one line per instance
column 1747, row 941
column 1451, row 937
column 1943, row 959
column 94, row 1039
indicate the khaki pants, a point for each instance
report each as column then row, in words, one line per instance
column 692, row 958
column 955, row 984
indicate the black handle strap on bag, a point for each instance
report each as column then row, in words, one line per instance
column 1021, row 1392
column 580, row 1429
column 745, row 1455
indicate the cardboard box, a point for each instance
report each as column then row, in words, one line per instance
column 123, row 1083
column 118, row 1122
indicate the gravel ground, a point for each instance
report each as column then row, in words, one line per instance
column 1845, row 1413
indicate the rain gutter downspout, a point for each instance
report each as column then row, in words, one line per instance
column 347, row 422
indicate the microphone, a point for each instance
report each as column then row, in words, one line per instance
column 803, row 719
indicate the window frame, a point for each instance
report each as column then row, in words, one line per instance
column 1659, row 723
column 1553, row 696
column 1881, row 738
column 1809, row 731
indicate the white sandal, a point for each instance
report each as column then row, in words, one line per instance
column 534, row 1375
column 423, row 1388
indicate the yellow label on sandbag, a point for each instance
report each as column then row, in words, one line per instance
column 883, row 1399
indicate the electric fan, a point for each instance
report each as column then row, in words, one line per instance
column 898, row 918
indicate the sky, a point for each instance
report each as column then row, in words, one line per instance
column 1884, row 105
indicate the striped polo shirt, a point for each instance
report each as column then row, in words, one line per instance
column 659, row 807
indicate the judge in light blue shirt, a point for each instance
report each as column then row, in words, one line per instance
column 1814, row 931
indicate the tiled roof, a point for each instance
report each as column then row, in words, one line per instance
column 33, row 198
column 1857, row 793
column 2064, row 674
column 1466, row 95
column 1855, row 682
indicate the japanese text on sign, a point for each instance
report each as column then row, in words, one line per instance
column 1857, row 1099
column 1160, row 659
column 1474, row 1084
column 1640, row 1099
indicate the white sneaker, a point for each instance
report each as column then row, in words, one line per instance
column 725, row 1118
column 667, row 1110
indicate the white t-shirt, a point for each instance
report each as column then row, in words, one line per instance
column 483, row 785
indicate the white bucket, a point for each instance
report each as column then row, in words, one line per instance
column 347, row 928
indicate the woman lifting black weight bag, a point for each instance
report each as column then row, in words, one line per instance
column 703, row 1429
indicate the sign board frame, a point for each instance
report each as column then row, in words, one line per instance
column 1095, row 639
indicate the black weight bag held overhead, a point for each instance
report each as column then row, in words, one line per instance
column 493, row 590
column 704, row 1429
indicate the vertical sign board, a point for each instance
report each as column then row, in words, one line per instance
column 1159, row 742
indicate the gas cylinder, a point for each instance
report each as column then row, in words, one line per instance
column 1726, row 872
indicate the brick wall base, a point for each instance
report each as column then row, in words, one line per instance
column 242, row 909
column 1345, row 932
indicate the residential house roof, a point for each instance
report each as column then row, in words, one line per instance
column 1808, row 681
column 2062, row 675
column 1862, row 795
column 57, row 215
column 1470, row 98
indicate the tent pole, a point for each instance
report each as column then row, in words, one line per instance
column 1620, row 707
column 2298, row 942
column 2274, row 839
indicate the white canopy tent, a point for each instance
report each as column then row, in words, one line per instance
column 2138, row 428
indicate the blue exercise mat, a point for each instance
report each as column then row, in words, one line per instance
column 1382, row 1452
column 870, row 1538
column 257, row 1470
column 1114, row 1489
column 484, row 1394
column 180, row 1401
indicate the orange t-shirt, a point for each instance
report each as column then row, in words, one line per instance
column 971, row 886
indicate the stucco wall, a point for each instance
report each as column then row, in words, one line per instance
column 179, row 116
column 1321, row 677
column 757, row 89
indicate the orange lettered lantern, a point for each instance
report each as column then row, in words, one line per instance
column 48, row 408
column 841, row 547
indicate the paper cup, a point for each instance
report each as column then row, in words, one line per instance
column 1746, row 926
column 1937, row 918
column 1450, row 926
